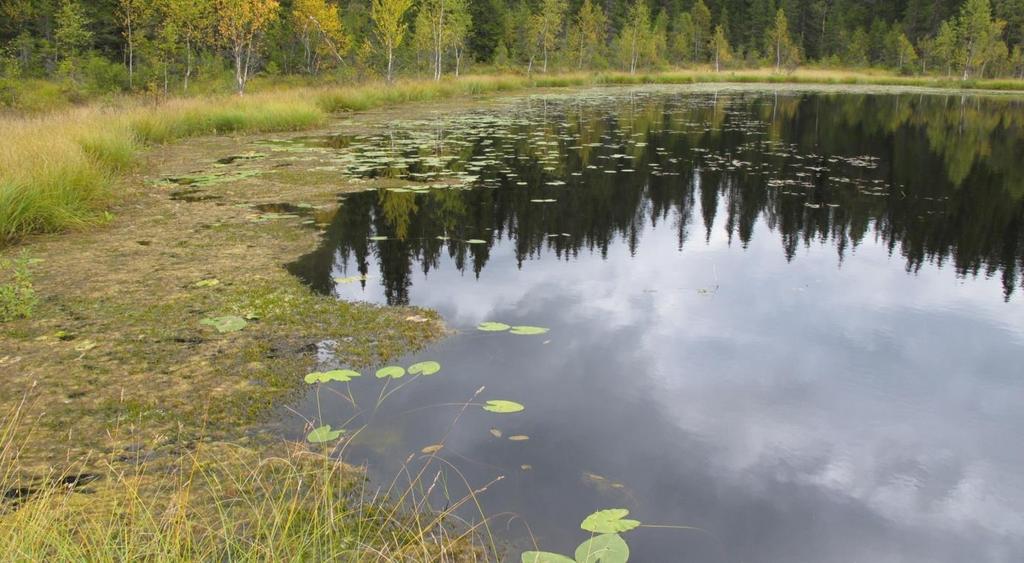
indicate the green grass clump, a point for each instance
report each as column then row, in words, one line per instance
column 17, row 297
column 214, row 501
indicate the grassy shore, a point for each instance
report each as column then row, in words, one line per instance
column 59, row 170
column 223, row 502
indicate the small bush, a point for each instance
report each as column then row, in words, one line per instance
column 17, row 298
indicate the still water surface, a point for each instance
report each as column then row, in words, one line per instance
column 791, row 319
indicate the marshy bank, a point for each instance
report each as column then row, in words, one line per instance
column 61, row 169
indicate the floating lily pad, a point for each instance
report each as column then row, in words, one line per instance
column 503, row 407
column 605, row 548
column 491, row 326
column 207, row 283
column 342, row 375
column 229, row 323
column 378, row 238
column 528, row 330
column 394, row 372
column 476, row 241
column 519, row 438
column 544, row 557
column 324, row 434
column 425, row 368
column 610, row 521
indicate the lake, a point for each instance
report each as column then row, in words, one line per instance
column 792, row 319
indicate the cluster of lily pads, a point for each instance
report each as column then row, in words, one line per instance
column 429, row 367
column 604, row 546
column 522, row 330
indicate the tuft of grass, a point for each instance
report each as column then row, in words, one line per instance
column 18, row 296
column 214, row 501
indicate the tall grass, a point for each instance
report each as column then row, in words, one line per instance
column 60, row 170
column 219, row 502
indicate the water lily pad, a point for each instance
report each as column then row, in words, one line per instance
column 476, row 241
column 324, row 434
column 528, row 330
column 230, row 323
column 207, row 283
column 341, row 375
column 394, row 372
column 432, row 449
column 519, row 438
column 503, row 407
column 606, row 548
column 378, row 238
column 544, row 557
column 425, row 368
column 491, row 326
column 611, row 521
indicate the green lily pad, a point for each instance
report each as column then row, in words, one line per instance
column 394, row 372
column 503, row 407
column 378, row 238
column 425, row 368
column 606, row 548
column 528, row 330
column 341, row 375
column 476, row 241
column 207, row 283
column 544, row 557
column 491, row 326
column 323, row 434
column 611, row 521
column 229, row 323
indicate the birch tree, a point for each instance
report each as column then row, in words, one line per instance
column 390, row 27
column 242, row 24
column 589, row 31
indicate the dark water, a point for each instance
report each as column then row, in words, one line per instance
column 790, row 319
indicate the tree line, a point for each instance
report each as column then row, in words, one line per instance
column 163, row 44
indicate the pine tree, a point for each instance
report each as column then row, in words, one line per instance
column 72, row 36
